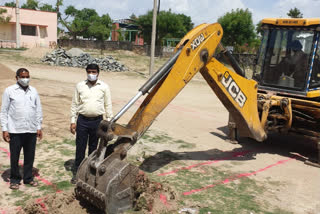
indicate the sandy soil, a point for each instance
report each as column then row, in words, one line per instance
column 195, row 116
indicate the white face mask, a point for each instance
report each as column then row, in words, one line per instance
column 24, row 81
column 92, row 77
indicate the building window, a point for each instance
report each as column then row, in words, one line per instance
column 28, row 30
column 43, row 32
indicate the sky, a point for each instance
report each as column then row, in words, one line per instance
column 200, row 11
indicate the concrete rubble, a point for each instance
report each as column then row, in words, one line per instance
column 77, row 58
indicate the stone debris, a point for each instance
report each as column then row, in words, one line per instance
column 74, row 58
column 75, row 52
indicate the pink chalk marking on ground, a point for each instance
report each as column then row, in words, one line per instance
column 43, row 180
column 234, row 155
column 228, row 180
column 8, row 154
column 6, row 211
column 6, row 151
column 46, row 182
column 39, row 200
column 163, row 199
column 43, row 206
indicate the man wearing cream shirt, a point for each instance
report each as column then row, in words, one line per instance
column 90, row 104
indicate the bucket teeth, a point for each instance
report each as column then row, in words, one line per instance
column 90, row 194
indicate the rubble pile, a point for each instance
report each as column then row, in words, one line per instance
column 61, row 57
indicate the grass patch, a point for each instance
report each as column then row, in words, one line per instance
column 157, row 138
column 184, row 144
column 15, row 56
column 16, row 49
column 47, row 189
column 66, row 152
column 60, row 174
column 58, row 163
column 238, row 196
column 22, row 201
column 20, row 195
column 51, row 167
column 40, row 165
column 165, row 139
column 16, row 193
column 4, row 167
column 69, row 142
column 51, row 146
column 64, row 185
column 42, row 144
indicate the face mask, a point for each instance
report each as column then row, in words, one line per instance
column 24, row 81
column 92, row 77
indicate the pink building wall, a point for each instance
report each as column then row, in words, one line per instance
column 139, row 40
column 45, row 24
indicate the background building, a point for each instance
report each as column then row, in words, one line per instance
column 38, row 28
column 126, row 30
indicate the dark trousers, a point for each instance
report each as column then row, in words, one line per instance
column 86, row 128
column 27, row 142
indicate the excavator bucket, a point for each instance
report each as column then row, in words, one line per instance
column 103, row 179
column 108, row 187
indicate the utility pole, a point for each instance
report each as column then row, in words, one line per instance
column 17, row 25
column 153, row 37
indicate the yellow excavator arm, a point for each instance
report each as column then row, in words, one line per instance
column 195, row 53
column 103, row 178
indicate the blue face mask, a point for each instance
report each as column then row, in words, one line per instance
column 23, row 81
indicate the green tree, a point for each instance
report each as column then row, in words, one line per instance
column 47, row 7
column 101, row 27
column 10, row 4
column 81, row 20
column 145, row 23
column 238, row 27
column 86, row 23
column 3, row 18
column 169, row 25
column 36, row 5
column 259, row 29
column 31, row 4
column 295, row 13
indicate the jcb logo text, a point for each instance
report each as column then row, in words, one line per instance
column 233, row 89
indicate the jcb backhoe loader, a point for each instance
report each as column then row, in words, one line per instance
column 106, row 180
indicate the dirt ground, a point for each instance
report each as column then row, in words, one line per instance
column 196, row 116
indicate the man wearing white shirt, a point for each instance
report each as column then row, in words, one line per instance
column 21, row 119
column 90, row 104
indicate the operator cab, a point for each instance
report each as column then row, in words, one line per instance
column 288, row 60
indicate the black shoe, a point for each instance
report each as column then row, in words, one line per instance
column 73, row 180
